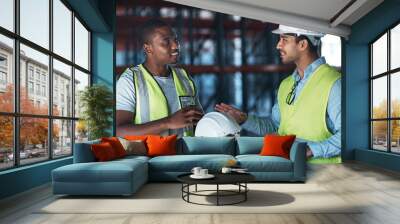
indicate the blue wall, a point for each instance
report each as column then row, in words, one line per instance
column 24, row 178
column 93, row 12
column 103, row 51
column 356, row 83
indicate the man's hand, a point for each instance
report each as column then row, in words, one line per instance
column 238, row 115
column 184, row 117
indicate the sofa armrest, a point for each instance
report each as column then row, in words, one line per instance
column 83, row 152
column 299, row 159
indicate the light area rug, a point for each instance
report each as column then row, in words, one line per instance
column 167, row 198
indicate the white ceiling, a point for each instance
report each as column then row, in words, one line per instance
column 316, row 15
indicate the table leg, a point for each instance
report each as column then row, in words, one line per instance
column 245, row 191
column 182, row 190
column 188, row 190
column 217, row 194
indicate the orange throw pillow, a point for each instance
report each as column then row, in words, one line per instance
column 116, row 145
column 161, row 145
column 136, row 137
column 277, row 145
column 103, row 151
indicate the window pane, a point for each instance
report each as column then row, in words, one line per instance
column 379, row 56
column 331, row 49
column 35, row 21
column 379, row 135
column 395, row 94
column 33, row 100
column 379, row 97
column 62, row 138
column 6, row 142
column 62, row 89
column 62, row 29
column 81, row 131
column 7, row 14
column 395, row 136
column 81, row 81
column 6, row 74
column 81, row 45
column 33, row 140
column 395, row 47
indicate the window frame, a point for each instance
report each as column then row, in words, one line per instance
column 16, row 114
column 388, row 74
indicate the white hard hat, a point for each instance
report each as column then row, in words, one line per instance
column 216, row 124
column 313, row 36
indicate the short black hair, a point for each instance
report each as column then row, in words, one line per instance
column 145, row 30
column 313, row 49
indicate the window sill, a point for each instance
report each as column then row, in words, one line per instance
column 26, row 167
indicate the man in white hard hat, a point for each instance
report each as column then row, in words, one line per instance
column 308, row 102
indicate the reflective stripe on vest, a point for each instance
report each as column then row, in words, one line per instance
column 151, row 103
column 306, row 117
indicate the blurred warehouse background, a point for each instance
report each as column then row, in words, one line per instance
column 231, row 59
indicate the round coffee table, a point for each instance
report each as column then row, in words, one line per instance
column 238, row 179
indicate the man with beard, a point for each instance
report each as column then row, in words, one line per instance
column 148, row 95
column 308, row 102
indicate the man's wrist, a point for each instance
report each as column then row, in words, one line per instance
column 166, row 123
column 309, row 152
column 243, row 118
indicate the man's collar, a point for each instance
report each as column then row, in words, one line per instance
column 310, row 69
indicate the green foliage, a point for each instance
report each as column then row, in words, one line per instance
column 96, row 102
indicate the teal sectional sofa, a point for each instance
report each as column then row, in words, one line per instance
column 125, row 176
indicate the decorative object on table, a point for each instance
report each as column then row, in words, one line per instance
column 226, row 170
column 237, row 170
column 96, row 102
column 232, row 163
column 200, row 173
column 202, row 176
column 196, row 170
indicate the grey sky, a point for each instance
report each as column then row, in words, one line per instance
column 35, row 27
column 6, row 14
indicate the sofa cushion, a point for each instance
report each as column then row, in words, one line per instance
column 206, row 145
column 112, row 171
column 185, row 163
column 249, row 145
column 130, row 158
column 257, row 163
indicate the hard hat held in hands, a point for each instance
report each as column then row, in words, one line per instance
column 217, row 124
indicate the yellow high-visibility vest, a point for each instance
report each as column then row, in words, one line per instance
column 151, row 103
column 306, row 117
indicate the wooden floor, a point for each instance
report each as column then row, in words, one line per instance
column 378, row 189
